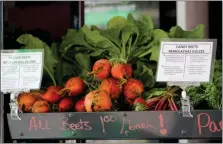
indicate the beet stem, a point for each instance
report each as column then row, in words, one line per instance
column 175, row 107
column 171, row 105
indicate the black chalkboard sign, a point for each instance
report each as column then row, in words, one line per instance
column 116, row 125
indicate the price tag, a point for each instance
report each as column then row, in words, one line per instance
column 21, row 69
column 186, row 61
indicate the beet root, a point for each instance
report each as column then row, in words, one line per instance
column 65, row 104
column 101, row 69
column 133, row 88
column 74, row 87
column 41, row 106
column 26, row 101
column 97, row 101
column 52, row 94
column 112, row 87
column 121, row 72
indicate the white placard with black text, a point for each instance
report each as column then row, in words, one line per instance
column 185, row 61
column 21, row 69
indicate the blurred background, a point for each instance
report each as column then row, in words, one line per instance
column 99, row 13
column 49, row 20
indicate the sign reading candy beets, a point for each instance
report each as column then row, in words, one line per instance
column 113, row 125
column 186, row 61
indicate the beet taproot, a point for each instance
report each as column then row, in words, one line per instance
column 133, row 88
column 112, row 87
column 97, row 101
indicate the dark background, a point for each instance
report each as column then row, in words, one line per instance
column 58, row 20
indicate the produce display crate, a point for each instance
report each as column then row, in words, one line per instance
column 116, row 125
column 133, row 121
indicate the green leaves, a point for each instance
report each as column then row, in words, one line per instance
column 155, row 51
column 63, row 68
column 147, row 22
column 131, row 41
column 98, row 41
column 178, row 32
column 129, row 37
column 130, row 18
column 50, row 61
column 84, row 63
column 76, row 49
column 73, row 38
column 116, row 21
column 67, row 62
column 154, row 92
column 157, row 35
column 145, row 75
column 175, row 32
column 209, row 92
column 113, row 34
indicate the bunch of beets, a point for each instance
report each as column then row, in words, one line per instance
column 115, row 80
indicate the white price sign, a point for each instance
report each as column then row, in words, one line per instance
column 21, row 69
column 185, row 61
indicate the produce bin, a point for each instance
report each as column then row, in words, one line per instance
column 83, row 97
column 118, row 125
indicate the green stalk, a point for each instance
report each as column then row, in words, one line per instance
column 129, row 49
column 59, row 71
column 122, row 54
column 51, row 76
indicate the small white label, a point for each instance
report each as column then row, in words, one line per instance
column 185, row 62
column 21, row 70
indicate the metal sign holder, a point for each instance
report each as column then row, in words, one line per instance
column 186, row 105
column 14, row 109
column 185, row 100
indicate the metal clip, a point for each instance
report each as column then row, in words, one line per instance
column 14, row 111
column 185, row 101
column 25, row 90
column 13, row 106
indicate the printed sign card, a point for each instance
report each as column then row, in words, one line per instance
column 185, row 61
column 21, row 69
